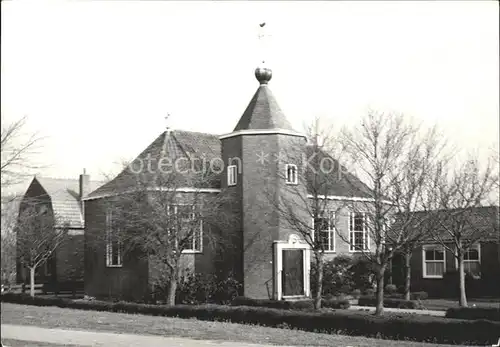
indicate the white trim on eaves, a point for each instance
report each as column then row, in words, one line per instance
column 262, row 132
column 156, row 189
column 347, row 198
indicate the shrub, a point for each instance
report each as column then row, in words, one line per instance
column 336, row 277
column 394, row 296
column 336, row 304
column 414, row 327
column 283, row 305
column 390, row 289
column 370, row 292
column 413, row 296
column 342, row 274
column 362, row 273
column 388, row 302
column 356, row 293
column 490, row 313
column 419, row 296
column 195, row 289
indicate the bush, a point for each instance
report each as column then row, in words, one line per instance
column 356, row 293
column 413, row 296
column 390, row 289
column 196, row 289
column 335, row 303
column 342, row 274
column 388, row 302
column 370, row 292
column 394, row 296
column 419, row 296
column 415, row 328
column 490, row 313
column 283, row 305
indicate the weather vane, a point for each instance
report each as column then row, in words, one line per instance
column 166, row 121
column 262, row 39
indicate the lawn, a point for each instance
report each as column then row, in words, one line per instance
column 54, row 317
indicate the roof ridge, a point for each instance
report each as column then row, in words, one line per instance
column 194, row 132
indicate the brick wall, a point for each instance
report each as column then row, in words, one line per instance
column 34, row 191
column 487, row 285
column 70, row 258
column 130, row 281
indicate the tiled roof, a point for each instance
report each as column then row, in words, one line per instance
column 196, row 147
column 482, row 220
column 263, row 112
column 336, row 180
column 193, row 147
column 64, row 195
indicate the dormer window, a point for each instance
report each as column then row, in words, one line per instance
column 291, row 174
column 231, row 175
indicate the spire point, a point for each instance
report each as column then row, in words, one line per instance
column 262, row 72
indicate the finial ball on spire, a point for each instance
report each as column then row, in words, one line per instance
column 263, row 74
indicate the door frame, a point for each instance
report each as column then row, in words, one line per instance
column 294, row 242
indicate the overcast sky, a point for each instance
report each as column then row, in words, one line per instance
column 97, row 78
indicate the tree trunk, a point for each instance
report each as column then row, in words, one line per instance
column 407, row 274
column 172, row 288
column 380, row 292
column 32, row 281
column 462, row 300
column 319, row 282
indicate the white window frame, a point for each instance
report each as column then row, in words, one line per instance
column 232, row 175
column 294, row 179
column 109, row 243
column 424, row 261
column 200, row 234
column 476, row 246
column 331, row 230
column 365, row 232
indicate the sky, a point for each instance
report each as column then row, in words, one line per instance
column 97, row 78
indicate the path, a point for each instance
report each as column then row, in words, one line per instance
column 401, row 310
column 89, row 338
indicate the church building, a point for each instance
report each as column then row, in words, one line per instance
column 269, row 257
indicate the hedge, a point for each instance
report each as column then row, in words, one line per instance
column 413, row 296
column 388, row 302
column 414, row 327
column 290, row 305
column 490, row 313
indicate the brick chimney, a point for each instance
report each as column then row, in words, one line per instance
column 84, row 184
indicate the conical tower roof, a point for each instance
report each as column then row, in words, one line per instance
column 263, row 111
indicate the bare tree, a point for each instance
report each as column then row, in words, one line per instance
column 157, row 219
column 18, row 148
column 456, row 223
column 38, row 237
column 10, row 210
column 395, row 157
column 304, row 206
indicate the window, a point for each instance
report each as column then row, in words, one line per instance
column 291, row 173
column 231, row 175
column 472, row 261
column 187, row 227
column 433, row 261
column 113, row 244
column 358, row 233
column 324, row 230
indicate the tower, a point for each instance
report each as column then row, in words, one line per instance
column 257, row 155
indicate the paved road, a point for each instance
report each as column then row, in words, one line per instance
column 89, row 338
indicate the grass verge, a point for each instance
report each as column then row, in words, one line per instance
column 54, row 317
